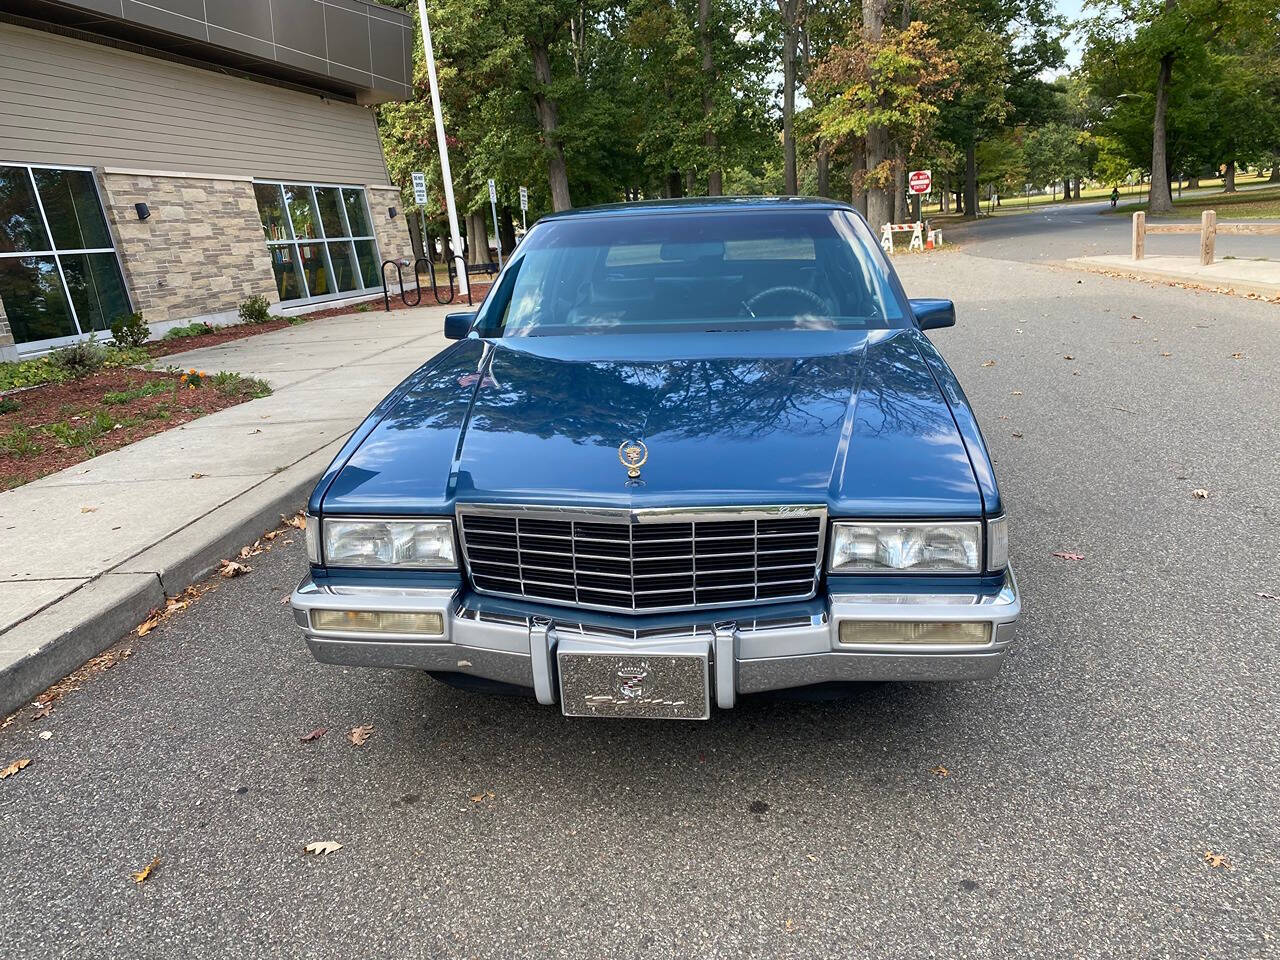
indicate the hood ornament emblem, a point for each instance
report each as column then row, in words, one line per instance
column 633, row 455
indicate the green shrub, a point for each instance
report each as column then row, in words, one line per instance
column 79, row 359
column 124, row 357
column 129, row 330
column 235, row 385
column 151, row 388
column 19, row 441
column 197, row 329
column 9, row 405
column 257, row 309
column 297, row 321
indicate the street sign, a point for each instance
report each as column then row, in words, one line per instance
column 497, row 233
column 419, row 187
column 524, row 198
column 493, row 192
column 920, row 181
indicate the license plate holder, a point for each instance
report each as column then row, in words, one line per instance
column 638, row 684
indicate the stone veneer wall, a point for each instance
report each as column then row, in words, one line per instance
column 394, row 242
column 200, row 253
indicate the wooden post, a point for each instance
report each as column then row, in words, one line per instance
column 1208, row 236
column 1139, row 235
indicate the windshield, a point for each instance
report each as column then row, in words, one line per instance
column 715, row 270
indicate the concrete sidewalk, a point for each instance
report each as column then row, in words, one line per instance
column 90, row 550
column 1243, row 277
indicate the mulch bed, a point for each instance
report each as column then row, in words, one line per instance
column 162, row 348
column 76, row 402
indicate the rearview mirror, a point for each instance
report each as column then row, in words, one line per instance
column 458, row 325
column 932, row 314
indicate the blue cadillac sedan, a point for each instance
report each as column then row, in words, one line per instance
column 683, row 452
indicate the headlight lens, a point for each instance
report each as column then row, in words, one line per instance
column 997, row 543
column 419, row 544
column 906, row 548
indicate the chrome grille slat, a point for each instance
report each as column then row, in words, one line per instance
column 644, row 561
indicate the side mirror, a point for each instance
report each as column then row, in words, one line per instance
column 458, row 325
column 932, row 314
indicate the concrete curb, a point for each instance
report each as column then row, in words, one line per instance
column 42, row 650
column 1231, row 288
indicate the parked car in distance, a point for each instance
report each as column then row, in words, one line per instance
column 684, row 451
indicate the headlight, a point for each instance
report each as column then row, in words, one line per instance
column 421, row 544
column 906, row 548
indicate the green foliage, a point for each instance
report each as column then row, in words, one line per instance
column 20, row 441
column 113, row 357
column 235, row 385
column 257, row 309
column 79, row 359
column 9, row 405
column 31, row 373
column 1053, row 153
column 129, row 330
column 198, row 329
column 150, row 388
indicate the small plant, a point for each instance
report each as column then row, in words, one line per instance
column 130, row 330
column 194, row 380
column 151, row 388
column 362, row 308
column 197, row 329
column 235, row 385
column 297, row 321
column 124, row 357
column 20, row 442
column 80, row 359
column 9, row 405
column 257, row 309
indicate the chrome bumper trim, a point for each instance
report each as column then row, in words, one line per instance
column 747, row 656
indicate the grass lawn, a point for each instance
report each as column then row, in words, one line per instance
column 1261, row 204
column 46, row 428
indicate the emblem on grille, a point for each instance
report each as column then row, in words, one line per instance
column 631, row 681
column 633, row 455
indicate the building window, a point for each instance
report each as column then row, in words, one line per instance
column 60, row 277
column 321, row 239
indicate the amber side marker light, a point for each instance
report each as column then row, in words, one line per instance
column 369, row 621
column 906, row 631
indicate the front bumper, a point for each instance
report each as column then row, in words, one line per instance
column 792, row 645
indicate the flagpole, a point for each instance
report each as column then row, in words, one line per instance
column 445, row 173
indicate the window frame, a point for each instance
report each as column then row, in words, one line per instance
column 323, row 240
column 40, row 346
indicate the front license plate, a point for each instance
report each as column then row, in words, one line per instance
column 641, row 685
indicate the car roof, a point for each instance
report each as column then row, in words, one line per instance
column 698, row 205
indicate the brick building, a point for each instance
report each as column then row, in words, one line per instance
column 177, row 156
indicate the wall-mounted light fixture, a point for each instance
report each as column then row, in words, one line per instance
column 391, row 212
column 143, row 210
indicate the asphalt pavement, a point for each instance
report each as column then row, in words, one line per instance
column 1112, row 793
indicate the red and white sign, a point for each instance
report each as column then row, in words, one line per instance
column 920, row 181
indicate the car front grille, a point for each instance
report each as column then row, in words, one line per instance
column 644, row 560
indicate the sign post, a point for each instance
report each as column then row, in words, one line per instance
column 524, row 208
column 445, row 174
column 497, row 234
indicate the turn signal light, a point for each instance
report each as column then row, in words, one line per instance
column 373, row 621
column 906, row 631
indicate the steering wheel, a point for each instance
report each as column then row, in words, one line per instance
column 820, row 303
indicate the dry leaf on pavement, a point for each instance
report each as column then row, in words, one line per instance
column 298, row 520
column 1067, row 356
column 1064, row 555
column 230, row 568
column 315, row 734
column 360, row 734
column 46, row 734
column 481, row 797
column 1015, row 393
column 1200, row 493
column 940, row 771
column 988, row 363
column 322, row 847
column 88, row 509
column 1216, row 861
column 1266, row 596
column 1237, row 356
column 14, row 767
column 141, row 876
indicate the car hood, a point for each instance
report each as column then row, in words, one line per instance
column 854, row 420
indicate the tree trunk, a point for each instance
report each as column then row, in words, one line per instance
column 1275, row 172
column 1229, row 179
column 791, row 184
column 715, row 178
column 1160, row 198
column 858, row 177
column 823, row 161
column 879, row 201
column 549, row 121
column 944, row 196
column 899, row 187
column 478, row 237
column 507, row 228
column 971, row 178
column 675, row 186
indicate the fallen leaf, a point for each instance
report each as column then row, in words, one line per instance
column 481, row 797
column 1200, row 493
column 1134, row 317
column 988, row 363
column 940, row 771
column 231, row 568
column 14, row 767
column 284, row 599
column 251, row 551
column 1216, row 861
column 1067, row 356
column 1068, row 556
column 1266, row 596
column 197, row 476
column 1166, row 353
column 46, row 734
column 88, row 509
column 315, row 734
column 298, row 520
column 322, row 848
column 360, row 734
column 1016, row 393
column 271, row 534
column 1237, row 356
column 1017, row 434
column 146, row 626
column 141, row 876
